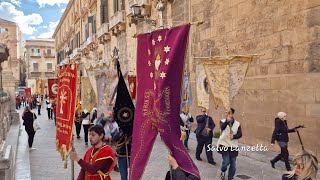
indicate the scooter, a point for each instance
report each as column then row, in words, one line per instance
column 297, row 130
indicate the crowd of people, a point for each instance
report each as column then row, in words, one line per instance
column 111, row 147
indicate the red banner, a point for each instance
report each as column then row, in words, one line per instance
column 52, row 88
column 66, row 103
column 27, row 91
column 132, row 86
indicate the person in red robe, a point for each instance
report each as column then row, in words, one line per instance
column 99, row 160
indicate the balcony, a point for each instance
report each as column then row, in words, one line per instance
column 117, row 23
column 84, row 49
column 35, row 55
column 50, row 74
column 76, row 54
column 142, row 2
column 48, row 55
column 103, row 34
column 91, row 42
column 35, row 74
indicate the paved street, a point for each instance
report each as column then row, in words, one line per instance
column 46, row 164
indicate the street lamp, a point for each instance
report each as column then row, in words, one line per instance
column 135, row 10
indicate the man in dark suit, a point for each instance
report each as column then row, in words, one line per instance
column 204, row 134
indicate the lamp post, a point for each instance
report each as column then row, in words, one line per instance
column 135, row 9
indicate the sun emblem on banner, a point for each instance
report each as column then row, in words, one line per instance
column 125, row 115
column 54, row 88
column 63, row 99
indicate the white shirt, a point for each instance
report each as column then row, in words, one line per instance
column 185, row 118
column 48, row 105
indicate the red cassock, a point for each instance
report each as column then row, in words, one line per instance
column 104, row 152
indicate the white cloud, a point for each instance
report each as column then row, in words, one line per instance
column 16, row 2
column 25, row 22
column 62, row 10
column 49, row 33
column 42, row 3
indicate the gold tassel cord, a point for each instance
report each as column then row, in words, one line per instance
column 225, row 60
column 197, row 23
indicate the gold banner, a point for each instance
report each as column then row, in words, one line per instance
column 202, row 87
column 225, row 77
column 88, row 97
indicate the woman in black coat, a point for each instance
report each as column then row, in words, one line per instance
column 28, row 117
column 280, row 134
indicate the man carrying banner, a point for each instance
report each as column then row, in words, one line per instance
column 99, row 160
column 228, row 142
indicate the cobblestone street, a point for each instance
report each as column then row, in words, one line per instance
column 46, row 164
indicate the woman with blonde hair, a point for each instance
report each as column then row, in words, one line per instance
column 305, row 167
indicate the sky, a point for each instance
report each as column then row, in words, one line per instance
column 36, row 18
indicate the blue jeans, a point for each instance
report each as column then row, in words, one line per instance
column 123, row 167
column 229, row 160
column 187, row 138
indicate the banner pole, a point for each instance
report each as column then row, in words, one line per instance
column 171, row 176
column 72, row 161
column 127, row 154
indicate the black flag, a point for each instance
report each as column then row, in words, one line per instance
column 124, row 109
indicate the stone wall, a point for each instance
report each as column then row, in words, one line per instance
column 285, row 78
column 6, row 154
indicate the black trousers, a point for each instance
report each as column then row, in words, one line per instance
column 78, row 128
column 86, row 132
column 49, row 113
column 204, row 141
column 30, row 137
column 285, row 155
column 39, row 109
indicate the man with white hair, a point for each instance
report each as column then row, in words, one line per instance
column 280, row 134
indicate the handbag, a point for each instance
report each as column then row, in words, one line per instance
column 204, row 131
column 183, row 134
column 36, row 125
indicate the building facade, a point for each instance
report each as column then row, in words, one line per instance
column 9, row 117
column 41, row 64
column 284, row 77
column 16, row 50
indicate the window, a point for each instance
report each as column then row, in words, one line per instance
column 35, row 67
column 49, row 51
column 118, row 5
column 91, row 26
column 49, row 67
column 87, row 31
column 3, row 30
column 35, row 51
column 104, row 11
column 94, row 30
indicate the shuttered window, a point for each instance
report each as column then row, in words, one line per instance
column 104, row 11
